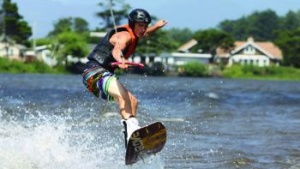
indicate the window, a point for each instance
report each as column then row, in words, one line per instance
column 250, row 50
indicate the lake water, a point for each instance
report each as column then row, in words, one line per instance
column 52, row 122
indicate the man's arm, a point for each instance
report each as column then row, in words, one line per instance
column 120, row 41
column 159, row 24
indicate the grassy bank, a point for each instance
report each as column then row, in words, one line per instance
column 12, row 66
column 193, row 69
column 268, row 73
column 239, row 71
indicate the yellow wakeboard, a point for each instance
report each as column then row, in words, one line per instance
column 145, row 141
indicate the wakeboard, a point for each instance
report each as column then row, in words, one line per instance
column 145, row 141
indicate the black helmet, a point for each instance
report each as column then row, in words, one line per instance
column 138, row 15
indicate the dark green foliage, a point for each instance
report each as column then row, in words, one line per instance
column 194, row 69
column 12, row 66
column 156, row 69
column 70, row 24
column 210, row 39
column 157, row 43
column 260, row 25
column 272, row 72
column 14, row 26
column 289, row 41
column 119, row 14
column 179, row 36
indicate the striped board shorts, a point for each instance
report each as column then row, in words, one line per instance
column 97, row 80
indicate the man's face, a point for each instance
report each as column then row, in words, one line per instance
column 140, row 29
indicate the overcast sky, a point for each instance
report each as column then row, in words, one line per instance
column 193, row 14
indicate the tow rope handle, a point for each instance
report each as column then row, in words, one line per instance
column 139, row 65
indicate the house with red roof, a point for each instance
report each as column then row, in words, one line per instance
column 251, row 52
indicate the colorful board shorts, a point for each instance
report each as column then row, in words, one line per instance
column 97, row 80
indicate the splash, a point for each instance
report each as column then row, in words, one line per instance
column 53, row 142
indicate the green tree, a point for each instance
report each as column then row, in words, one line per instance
column 238, row 28
column 13, row 25
column 43, row 41
column 69, row 37
column 70, row 43
column 288, row 41
column 211, row 39
column 120, row 14
column 70, row 24
column 80, row 25
column 179, row 36
column 260, row 25
column 156, row 43
column 263, row 25
column 194, row 69
column 290, row 21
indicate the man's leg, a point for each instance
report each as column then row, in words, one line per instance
column 126, row 100
column 127, row 104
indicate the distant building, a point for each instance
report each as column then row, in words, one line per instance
column 183, row 55
column 251, row 53
column 12, row 51
column 40, row 53
column 177, row 58
column 185, row 48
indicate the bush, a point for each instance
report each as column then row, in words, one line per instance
column 157, row 69
column 233, row 71
column 272, row 72
column 13, row 66
column 194, row 69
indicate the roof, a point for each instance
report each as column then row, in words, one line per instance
column 98, row 34
column 185, row 47
column 190, row 55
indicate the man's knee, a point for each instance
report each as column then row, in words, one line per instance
column 133, row 100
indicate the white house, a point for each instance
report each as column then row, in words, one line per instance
column 11, row 51
column 41, row 53
column 177, row 58
column 44, row 54
column 183, row 55
column 251, row 53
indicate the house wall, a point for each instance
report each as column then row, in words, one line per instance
column 46, row 57
column 183, row 60
column 148, row 60
column 173, row 59
column 258, row 60
column 12, row 52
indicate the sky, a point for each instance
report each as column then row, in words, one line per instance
column 193, row 14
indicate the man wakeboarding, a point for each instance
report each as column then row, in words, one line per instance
column 117, row 46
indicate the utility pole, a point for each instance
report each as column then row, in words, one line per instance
column 2, row 18
column 3, row 35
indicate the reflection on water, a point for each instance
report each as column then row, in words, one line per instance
column 50, row 121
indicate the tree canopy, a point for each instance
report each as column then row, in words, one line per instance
column 120, row 14
column 289, row 41
column 156, row 44
column 68, row 37
column 70, row 24
column 263, row 25
column 208, row 40
column 13, row 25
column 260, row 25
column 72, row 44
column 179, row 36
